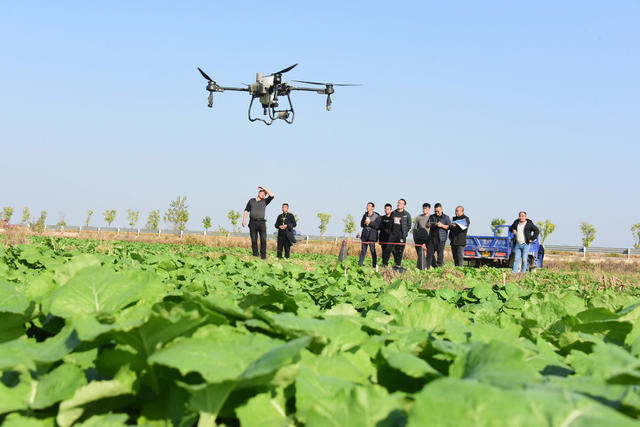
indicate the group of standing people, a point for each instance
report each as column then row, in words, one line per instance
column 430, row 231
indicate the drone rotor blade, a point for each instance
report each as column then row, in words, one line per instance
column 205, row 75
column 286, row 69
column 309, row 83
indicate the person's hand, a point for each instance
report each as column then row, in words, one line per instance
column 367, row 221
column 244, row 224
column 515, row 232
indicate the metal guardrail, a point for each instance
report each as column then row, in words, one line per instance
column 310, row 238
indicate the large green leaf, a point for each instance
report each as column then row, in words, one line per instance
column 74, row 408
column 607, row 362
column 63, row 273
column 497, row 363
column 218, row 354
column 429, row 314
column 59, row 384
column 11, row 300
column 408, row 363
column 97, row 291
column 14, row 393
column 456, row 402
column 18, row 420
column 265, row 410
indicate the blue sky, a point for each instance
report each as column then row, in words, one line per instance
column 499, row 106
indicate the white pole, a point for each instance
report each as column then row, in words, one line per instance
column 628, row 253
column 307, row 240
column 118, row 232
column 584, row 252
column 138, row 233
column 80, row 230
column 181, row 232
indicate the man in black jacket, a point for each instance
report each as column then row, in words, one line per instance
column 255, row 209
column 370, row 223
column 524, row 232
column 401, row 224
column 385, row 234
column 285, row 223
column 458, row 235
column 440, row 224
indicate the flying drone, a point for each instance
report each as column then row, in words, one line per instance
column 268, row 88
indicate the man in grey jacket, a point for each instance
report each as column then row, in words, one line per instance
column 421, row 232
column 400, row 227
column 440, row 224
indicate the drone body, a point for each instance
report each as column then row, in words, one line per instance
column 267, row 89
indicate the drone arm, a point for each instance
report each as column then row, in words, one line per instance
column 308, row 89
column 239, row 89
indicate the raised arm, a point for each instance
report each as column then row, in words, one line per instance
column 269, row 192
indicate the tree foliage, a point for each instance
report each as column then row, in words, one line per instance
column 206, row 222
column 109, row 216
column 26, row 215
column 38, row 225
column 495, row 222
column 233, row 217
column 324, row 220
column 178, row 213
column 89, row 213
column 61, row 222
column 153, row 220
column 349, row 225
column 7, row 213
column 546, row 228
column 133, row 217
column 588, row 233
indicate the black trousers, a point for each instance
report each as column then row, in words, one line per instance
column 433, row 247
column 458, row 254
column 398, row 250
column 283, row 243
column 363, row 254
column 386, row 252
column 419, row 250
column 258, row 228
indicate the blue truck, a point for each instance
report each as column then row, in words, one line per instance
column 498, row 250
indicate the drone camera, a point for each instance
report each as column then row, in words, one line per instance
column 283, row 115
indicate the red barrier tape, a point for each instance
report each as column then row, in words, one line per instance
column 385, row 243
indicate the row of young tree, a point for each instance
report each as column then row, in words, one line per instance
column 177, row 215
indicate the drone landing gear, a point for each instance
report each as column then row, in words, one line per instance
column 287, row 115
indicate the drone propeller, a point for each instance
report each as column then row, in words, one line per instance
column 327, row 84
column 329, row 88
column 285, row 70
column 211, row 86
column 205, row 75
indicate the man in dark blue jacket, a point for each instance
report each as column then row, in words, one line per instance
column 370, row 223
column 440, row 224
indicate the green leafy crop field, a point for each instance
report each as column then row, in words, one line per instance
column 116, row 333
